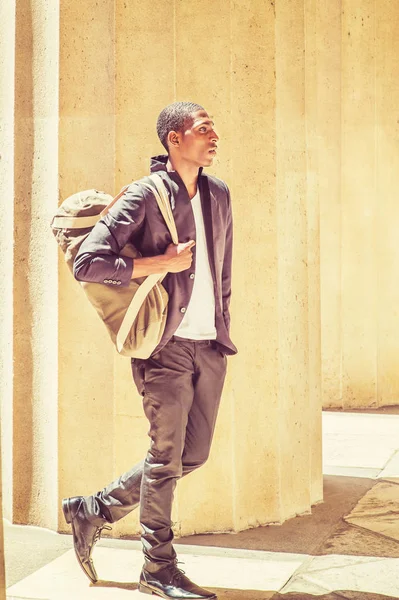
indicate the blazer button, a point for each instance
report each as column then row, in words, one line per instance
column 192, row 276
column 183, row 310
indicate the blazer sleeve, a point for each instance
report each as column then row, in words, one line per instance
column 227, row 263
column 98, row 259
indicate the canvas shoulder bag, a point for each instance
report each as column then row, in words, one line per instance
column 134, row 315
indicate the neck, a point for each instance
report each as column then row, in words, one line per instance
column 187, row 171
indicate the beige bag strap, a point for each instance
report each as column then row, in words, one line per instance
column 74, row 222
column 162, row 198
column 110, row 205
column 132, row 311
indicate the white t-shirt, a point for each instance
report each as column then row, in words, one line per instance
column 199, row 319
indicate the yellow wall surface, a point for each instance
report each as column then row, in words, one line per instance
column 86, row 104
column 7, row 49
column 35, row 281
column 267, row 410
column 7, row 73
column 358, row 127
column 303, row 95
column 86, row 160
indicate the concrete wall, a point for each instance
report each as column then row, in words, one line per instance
column 85, row 110
column 35, row 306
column 86, row 160
column 238, row 62
column 7, row 74
column 296, row 126
column 358, row 127
column 7, row 70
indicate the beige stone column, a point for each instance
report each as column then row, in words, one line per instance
column 79, row 421
column 297, row 285
column 358, row 74
column 7, row 53
column 312, row 108
column 145, row 83
column 62, row 395
column 7, row 69
column 359, row 317
column 35, row 435
column 385, row 210
column 205, row 500
column 329, row 43
column 86, row 434
column 347, row 124
column 244, row 63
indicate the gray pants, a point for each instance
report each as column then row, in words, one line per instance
column 181, row 388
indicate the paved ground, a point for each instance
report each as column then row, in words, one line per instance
column 347, row 548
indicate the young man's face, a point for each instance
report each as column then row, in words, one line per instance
column 197, row 142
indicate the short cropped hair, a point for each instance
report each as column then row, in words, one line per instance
column 173, row 118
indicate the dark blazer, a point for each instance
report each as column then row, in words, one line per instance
column 136, row 218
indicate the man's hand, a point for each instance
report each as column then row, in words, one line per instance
column 178, row 257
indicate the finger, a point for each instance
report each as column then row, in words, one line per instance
column 188, row 244
column 186, row 252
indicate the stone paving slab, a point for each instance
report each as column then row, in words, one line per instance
column 391, row 469
column 348, row 539
column 28, row 548
column 378, row 510
column 244, row 575
column 354, row 450
column 364, row 472
column 337, row 573
column 359, row 559
column 359, row 445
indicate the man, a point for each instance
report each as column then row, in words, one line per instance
column 181, row 383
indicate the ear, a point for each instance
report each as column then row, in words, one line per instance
column 173, row 139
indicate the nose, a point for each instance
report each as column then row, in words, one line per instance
column 214, row 136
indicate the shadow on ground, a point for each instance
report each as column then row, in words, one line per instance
column 299, row 536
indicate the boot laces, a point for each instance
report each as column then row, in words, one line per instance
column 98, row 533
column 177, row 573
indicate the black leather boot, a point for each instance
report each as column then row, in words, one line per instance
column 85, row 532
column 171, row 582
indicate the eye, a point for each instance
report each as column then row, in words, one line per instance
column 203, row 129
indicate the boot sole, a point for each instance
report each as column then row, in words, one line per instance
column 147, row 590
column 68, row 518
